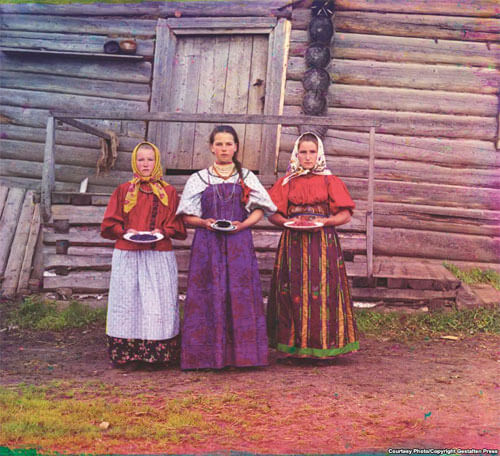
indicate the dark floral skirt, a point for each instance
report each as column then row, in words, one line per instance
column 123, row 351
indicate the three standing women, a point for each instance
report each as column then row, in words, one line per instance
column 310, row 311
column 224, row 318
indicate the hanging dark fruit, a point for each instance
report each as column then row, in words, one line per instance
column 317, row 55
column 324, row 8
column 314, row 103
column 321, row 29
column 316, row 79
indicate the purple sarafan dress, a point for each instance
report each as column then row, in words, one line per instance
column 224, row 317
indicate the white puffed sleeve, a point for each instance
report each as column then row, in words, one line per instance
column 190, row 203
column 259, row 198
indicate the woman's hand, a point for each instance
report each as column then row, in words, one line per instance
column 207, row 223
column 240, row 226
column 132, row 231
column 156, row 231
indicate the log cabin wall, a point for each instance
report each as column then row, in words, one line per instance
column 428, row 73
column 64, row 71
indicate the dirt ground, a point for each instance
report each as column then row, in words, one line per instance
column 422, row 394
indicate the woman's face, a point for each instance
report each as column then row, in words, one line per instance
column 308, row 154
column 145, row 160
column 223, row 148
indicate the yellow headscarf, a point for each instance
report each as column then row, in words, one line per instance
column 155, row 181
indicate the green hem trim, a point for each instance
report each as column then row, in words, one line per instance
column 319, row 352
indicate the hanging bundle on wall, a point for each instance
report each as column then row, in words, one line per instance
column 317, row 55
column 324, row 8
column 321, row 29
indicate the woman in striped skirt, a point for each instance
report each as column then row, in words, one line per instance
column 310, row 311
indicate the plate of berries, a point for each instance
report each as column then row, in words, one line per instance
column 143, row 237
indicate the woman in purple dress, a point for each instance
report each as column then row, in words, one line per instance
column 224, row 319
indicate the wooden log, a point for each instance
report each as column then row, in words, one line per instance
column 451, row 152
column 79, row 281
column 417, row 25
column 17, row 115
column 433, row 244
column 435, row 218
column 66, row 173
column 4, row 191
column 48, row 170
column 480, row 8
column 35, row 184
column 407, row 171
column 79, row 262
column 392, row 74
column 401, row 296
column 18, row 247
column 70, row 155
column 68, row 42
column 34, row 99
column 393, row 99
column 85, row 25
column 163, row 9
column 139, row 72
column 414, row 124
column 63, row 137
column 8, row 223
column 76, row 86
column 369, row 211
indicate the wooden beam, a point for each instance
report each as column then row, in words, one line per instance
column 8, row 223
column 86, row 128
column 331, row 121
column 369, row 210
column 48, row 171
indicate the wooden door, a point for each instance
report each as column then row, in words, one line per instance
column 216, row 74
column 233, row 67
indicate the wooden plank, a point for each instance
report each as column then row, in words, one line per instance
column 82, row 281
column 433, row 244
column 48, row 170
column 392, row 74
column 79, row 262
column 35, row 99
column 163, row 9
column 417, row 124
column 76, row 86
column 236, row 90
column 396, row 99
column 26, row 267
column 4, row 191
column 190, row 86
column 231, row 25
column 214, row 55
column 369, row 211
column 18, row 247
column 39, row 52
column 276, row 77
column 8, row 223
column 480, row 8
column 35, row 184
column 417, row 25
column 256, row 102
column 139, row 72
column 84, row 25
column 165, row 56
column 407, row 171
column 401, row 296
column 451, row 152
column 68, row 42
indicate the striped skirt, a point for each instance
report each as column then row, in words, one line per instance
column 310, row 311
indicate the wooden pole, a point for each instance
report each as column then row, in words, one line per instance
column 369, row 211
column 48, row 170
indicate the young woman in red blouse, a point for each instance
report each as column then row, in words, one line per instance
column 143, row 313
column 310, row 311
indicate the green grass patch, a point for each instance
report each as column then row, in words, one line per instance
column 50, row 416
column 432, row 324
column 475, row 275
column 35, row 313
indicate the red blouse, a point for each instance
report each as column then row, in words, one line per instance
column 312, row 189
column 148, row 214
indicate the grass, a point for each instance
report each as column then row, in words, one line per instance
column 38, row 416
column 475, row 275
column 35, row 313
column 433, row 324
